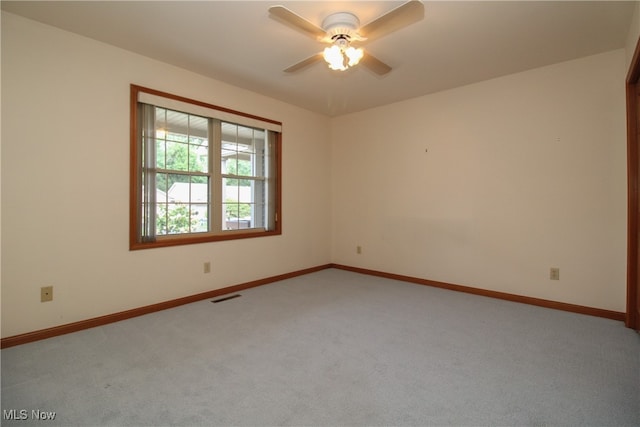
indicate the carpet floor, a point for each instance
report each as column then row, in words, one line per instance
column 332, row 348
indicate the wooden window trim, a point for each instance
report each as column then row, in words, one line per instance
column 134, row 184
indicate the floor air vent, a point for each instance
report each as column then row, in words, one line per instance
column 226, row 298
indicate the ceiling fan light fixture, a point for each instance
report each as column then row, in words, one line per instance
column 354, row 55
column 333, row 56
column 341, row 57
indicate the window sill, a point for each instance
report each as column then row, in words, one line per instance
column 166, row 241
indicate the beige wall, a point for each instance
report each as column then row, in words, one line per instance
column 634, row 34
column 491, row 184
column 65, row 184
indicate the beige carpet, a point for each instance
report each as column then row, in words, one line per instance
column 333, row 348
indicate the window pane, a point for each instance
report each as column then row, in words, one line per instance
column 161, row 121
column 245, row 193
column 200, row 218
column 178, row 188
column 244, row 133
column 162, row 180
column 161, row 219
column 176, row 124
column 198, row 128
column 229, row 132
column 229, row 163
column 198, row 144
column 245, row 166
column 177, row 156
column 178, row 219
column 236, row 216
column 228, row 151
column 244, row 215
column 199, row 155
column 161, row 154
column 198, row 191
column 229, row 216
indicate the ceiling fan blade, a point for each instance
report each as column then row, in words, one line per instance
column 374, row 64
column 403, row 15
column 304, row 63
column 288, row 17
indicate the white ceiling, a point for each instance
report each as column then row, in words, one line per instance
column 457, row 43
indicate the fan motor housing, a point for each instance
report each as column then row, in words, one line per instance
column 341, row 25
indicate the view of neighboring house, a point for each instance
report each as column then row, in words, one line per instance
column 196, row 194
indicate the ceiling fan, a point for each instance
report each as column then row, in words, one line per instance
column 341, row 29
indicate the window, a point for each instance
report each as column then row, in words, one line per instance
column 200, row 173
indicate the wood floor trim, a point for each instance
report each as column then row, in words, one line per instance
column 128, row 314
column 598, row 312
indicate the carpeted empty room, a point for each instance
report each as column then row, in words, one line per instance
column 320, row 213
column 333, row 348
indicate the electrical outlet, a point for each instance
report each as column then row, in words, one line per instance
column 46, row 293
column 554, row 273
column 207, row 267
column 358, row 249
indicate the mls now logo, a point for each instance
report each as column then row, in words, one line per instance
column 15, row 414
column 23, row 414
